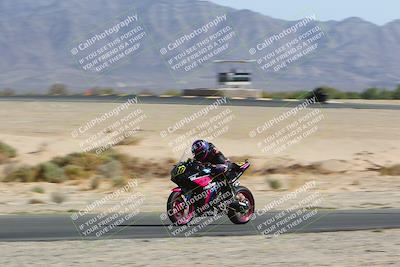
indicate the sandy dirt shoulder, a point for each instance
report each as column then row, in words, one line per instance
column 358, row 248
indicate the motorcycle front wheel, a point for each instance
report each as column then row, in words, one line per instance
column 243, row 216
column 178, row 211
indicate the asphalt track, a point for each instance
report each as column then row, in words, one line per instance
column 149, row 225
column 182, row 100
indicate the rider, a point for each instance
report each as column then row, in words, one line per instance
column 206, row 152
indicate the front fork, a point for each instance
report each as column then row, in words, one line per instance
column 239, row 203
column 185, row 200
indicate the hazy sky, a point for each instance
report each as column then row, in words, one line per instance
column 378, row 12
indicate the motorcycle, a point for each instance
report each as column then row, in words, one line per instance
column 199, row 193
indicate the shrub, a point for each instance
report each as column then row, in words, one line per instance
column 386, row 94
column 50, row 172
column 94, row 182
column 37, row 189
column 286, row 95
column 146, row 92
column 113, row 155
column 352, row 95
column 60, row 161
column 396, row 93
column 58, row 197
column 392, row 170
column 275, row 95
column 74, row 172
column 103, row 91
column 88, row 161
column 375, row 93
column 130, row 164
column 370, row 93
column 265, row 94
column 111, row 169
column 333, row 92
column 7, row 150
column 173, row 93
column 299, row 94
column 274, row 184
column 118, row 181
column 22, row 173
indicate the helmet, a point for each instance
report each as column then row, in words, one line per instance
column 200, row 149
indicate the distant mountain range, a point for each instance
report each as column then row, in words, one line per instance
column 37, row 39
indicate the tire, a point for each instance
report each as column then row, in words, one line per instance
column 178, row 218
column 238, row 217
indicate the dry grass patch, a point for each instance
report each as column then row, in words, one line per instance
column 393, row 170
column 6, row 152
